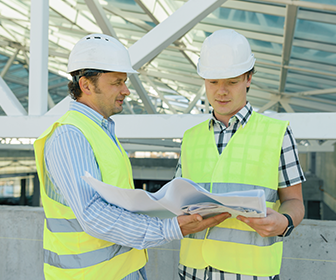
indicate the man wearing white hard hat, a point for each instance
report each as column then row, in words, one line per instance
column 84, row 236
column 239, row 149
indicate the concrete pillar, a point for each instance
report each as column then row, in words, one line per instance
column 23, row 199
column 36, row 194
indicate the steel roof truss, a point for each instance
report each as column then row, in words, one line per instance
column 197, row 97
column 168, row 31
column 161, row 95
column 9, row 102
column 289, row 28
column 107, row 28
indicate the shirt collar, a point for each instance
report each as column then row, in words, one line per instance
column 89, row 112
column 242, row 116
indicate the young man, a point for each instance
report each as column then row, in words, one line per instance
column 239, row 149
column 84, row 236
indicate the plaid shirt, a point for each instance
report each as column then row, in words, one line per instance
column 290, row 173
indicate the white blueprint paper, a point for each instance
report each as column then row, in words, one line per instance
column 174, row 198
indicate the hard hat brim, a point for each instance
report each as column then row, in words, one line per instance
column 235, row 71
column 103, row 67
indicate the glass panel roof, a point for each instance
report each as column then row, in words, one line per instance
column 294, row 43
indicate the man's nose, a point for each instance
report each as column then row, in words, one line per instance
column 222, row 89
column 125, row 90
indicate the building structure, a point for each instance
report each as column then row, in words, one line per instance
column 294, row 43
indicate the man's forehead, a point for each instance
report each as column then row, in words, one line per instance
column 228, row 79
column 117, row 75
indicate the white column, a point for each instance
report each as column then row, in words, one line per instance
column 38, row 67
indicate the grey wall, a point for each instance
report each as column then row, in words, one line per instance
column 21, row 254
column 309, row 253
column 326, row 170
column 320, row 172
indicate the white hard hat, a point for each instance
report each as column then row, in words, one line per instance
column 101, row 52
column 225, row 54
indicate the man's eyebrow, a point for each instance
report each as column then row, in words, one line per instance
column 120, row 80
column 234, row 78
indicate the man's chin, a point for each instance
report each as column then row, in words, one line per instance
column 117, row 111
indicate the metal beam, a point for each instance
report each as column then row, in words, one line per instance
column 61, row 107
column 51, row 102
column 9, row 63
column 174, row 77
column 314, row 45
column 194, row 101
column 289, row 28
column 168, row 31
column 284, row 103
column 312, row 104
column 73, row 16
column 317, row 92
column 304, row 4
column 129, row 107
column 267, row 106
column 130, row 17
column 9, row 152
column 142, row 94
column 100, row 17
column 141, row 126
column 161, row 95
column 171, row 29
column 255, row 8
column 38, row 68
column 8, row 101
column 317, row 16
column 107, row 28
column 299, row 69
column 160, row 13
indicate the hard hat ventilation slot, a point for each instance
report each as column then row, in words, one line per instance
column 92, row 53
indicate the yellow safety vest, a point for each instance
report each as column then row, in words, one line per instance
column 69, row 252
column 249, row 161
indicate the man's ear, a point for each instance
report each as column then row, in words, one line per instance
column 249, row 79
column 85, row 86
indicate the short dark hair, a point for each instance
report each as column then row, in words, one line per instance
column 90, row 74
column 250, row 72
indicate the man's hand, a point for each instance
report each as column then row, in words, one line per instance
column 275, row 223
column 195, row 223
column 272, row 225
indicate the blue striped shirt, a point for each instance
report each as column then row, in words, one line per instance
column 68, row 155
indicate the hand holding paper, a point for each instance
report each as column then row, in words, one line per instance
column 206, row 209
column 174, row 198
column 194, row 223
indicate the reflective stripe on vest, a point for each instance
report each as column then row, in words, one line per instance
column 236, row 236
column 70, row 253
column 63, row 225
column 85, row 259
column 249, row 161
